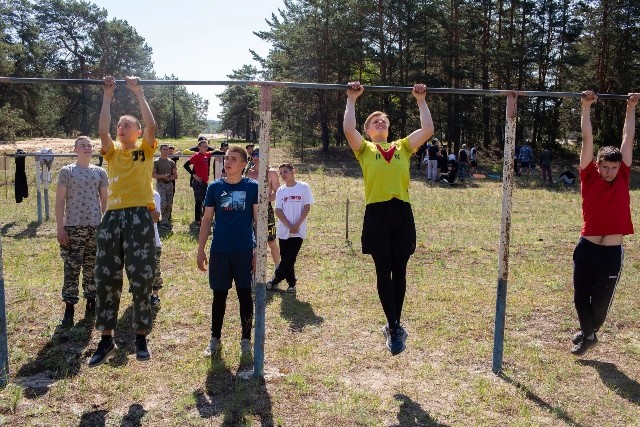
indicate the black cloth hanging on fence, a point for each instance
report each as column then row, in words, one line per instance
column 22, row 188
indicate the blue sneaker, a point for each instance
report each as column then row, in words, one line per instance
column 395, row 339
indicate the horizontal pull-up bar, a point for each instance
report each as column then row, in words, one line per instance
column 322, row 86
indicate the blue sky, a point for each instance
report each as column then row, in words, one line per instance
column 198, row 39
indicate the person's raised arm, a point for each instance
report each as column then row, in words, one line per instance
column 420, row 136
column 586, row 154
column 149, row 133
column 349, row 123
column 628, row 133
column 105, row 114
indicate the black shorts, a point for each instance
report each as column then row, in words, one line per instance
column 389, row 228
column 271, row 223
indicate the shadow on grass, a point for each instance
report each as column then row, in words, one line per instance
column 233, row 398
column 616, row 380
column 556, row 411
column 28, row 232
column 133, row 418
column 94, row 419
column 6, row 228
column 298, row 313
column 125, row 337
column 60, row 358
column 411, row 414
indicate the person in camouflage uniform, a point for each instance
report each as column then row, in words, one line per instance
column 81, row 198
column 125, row 237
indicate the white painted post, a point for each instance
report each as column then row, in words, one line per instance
column 505, row 232
column 261, row 233
column 4, row 348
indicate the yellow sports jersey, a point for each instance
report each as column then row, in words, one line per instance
column 129, row 172
column 385, row 167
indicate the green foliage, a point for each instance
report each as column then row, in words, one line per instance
column 74, row 39
column 11, row 123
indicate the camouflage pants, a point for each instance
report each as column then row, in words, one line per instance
column 157, row 279
column 125, row 237
column 166, row 191
column 79, row 254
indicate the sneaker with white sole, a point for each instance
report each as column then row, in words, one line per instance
column 395, row 339
column 272, row 286
column 291, row 289
column 213, row 347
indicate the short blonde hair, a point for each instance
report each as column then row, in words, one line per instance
column 240, row 150
column 374, row 115
column 132, row 118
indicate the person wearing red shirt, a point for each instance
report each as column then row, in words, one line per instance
column 598, row 256
column 199, row 177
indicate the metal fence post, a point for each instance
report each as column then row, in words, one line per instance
column 505, row 232
column 261, row 233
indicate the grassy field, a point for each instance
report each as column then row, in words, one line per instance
column 326, row 363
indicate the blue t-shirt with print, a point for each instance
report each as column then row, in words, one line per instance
column 233, row 220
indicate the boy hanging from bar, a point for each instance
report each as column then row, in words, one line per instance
column 125, row 236
column 598, row 256
column 81, row 199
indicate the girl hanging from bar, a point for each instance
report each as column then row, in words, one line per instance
column 388, row 232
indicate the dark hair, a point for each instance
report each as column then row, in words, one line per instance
column 286, row 165
column 163, row 146
column 609, row 154
column 80, row 138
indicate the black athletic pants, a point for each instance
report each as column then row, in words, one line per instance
column 389, row 235
column 289, row 249
column 596, row 271
column 391, row 274
column 219, row 306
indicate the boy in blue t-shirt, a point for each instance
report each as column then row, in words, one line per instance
column 233, row 200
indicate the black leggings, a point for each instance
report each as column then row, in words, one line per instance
column 219, row 306
column 391, row 274
column 596, row 271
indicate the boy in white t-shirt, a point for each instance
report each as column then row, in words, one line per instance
column 293, row 203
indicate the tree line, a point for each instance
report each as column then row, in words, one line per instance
column 538, row 45
column 74, row 39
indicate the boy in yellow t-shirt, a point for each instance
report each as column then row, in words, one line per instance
column 125, row 235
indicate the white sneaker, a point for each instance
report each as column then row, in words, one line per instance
column 245, row 346
column 213, row 347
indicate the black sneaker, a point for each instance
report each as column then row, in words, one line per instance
column 395, row 339
column 67, row 320
column 272, row 286
column 142, row 352
column 584, row 345
column 106, row 346
column 91, row 306
column 577, row 337
column 155, row 301
column 291, row 289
